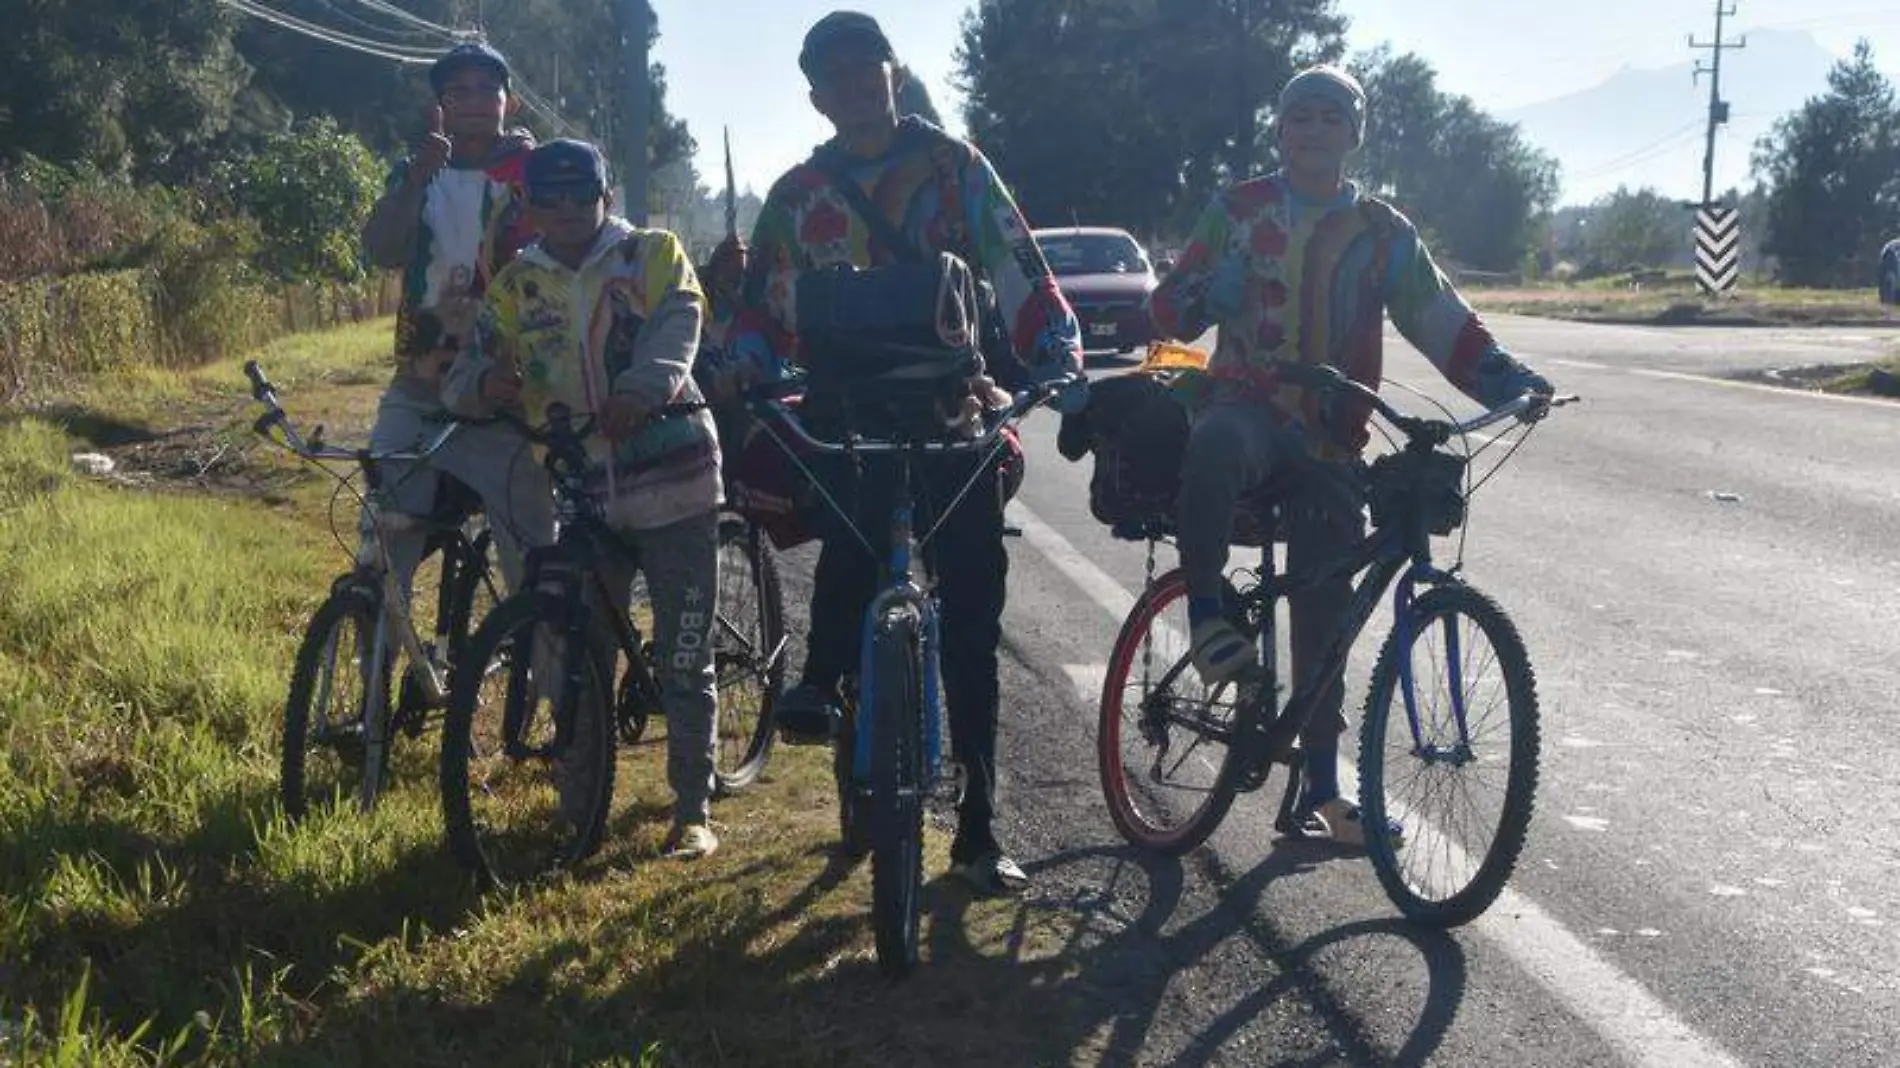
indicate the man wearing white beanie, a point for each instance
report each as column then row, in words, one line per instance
column 1301, row 267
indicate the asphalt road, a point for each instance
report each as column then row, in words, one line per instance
column 1708, row 578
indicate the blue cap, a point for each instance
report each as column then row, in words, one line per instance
column 471, row 54
column 566, row 163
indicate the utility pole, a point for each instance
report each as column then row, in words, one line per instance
column 635, row 109
column 1718, row 108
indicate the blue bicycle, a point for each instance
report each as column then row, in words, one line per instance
column 890, row 752
column 1449, row 743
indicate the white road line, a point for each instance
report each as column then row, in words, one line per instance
column 1711, row 380
column 1617, row 1007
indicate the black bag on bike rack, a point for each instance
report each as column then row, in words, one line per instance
column 889, row 345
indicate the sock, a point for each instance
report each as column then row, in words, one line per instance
column 1202, row 609
column 1322, row 776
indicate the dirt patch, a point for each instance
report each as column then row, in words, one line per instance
column 1853, row 379
column 198, row 459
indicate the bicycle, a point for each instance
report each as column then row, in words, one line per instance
column 366, row 618
column 1157, row 720
column 537, row 780
column 889, row 754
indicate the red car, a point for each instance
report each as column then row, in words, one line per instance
column 1107, row 277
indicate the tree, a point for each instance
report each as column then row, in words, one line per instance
column 1131, row 112
column 914, row 99
column 125, row 86
column 309, row 191
column 1640, row 228
column 1472, row 181
column 566, row 59
column 1832, row 175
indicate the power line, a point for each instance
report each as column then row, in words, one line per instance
column 391, row 10
column 334, row 6
column 1644, row 154
column 399, row 53
column 382, row 49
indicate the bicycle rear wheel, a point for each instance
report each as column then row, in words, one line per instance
column 1167, row 744
column 526, row 779
column 748, row 629
column 1449, row 748
column 897, row 801
column 326, row 751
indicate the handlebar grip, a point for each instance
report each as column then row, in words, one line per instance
column 260, row 386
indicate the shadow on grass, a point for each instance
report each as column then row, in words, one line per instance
column 182, row 921
column 1081, row 977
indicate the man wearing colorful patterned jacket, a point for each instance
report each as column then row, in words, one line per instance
column 938, row 194
column 604, row 318
column 1300, row 267
column 450, row 218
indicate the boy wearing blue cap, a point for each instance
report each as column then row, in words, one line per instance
column 605, row 318
column 450, row 218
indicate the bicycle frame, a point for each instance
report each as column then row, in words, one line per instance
column 901, row 589
column 1382, row 556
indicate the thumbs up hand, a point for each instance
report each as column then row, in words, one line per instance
column 432, row 150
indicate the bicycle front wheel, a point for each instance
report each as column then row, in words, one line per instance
column 1166, row 745
column 1449, row 750
column 527, row 778
column 897, row 791
column 327, row 757
column 748, row 631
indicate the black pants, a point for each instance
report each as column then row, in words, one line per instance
column 969, row 565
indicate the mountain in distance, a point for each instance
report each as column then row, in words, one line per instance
column 1647, row 126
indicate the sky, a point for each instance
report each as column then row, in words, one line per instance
column 735, row 62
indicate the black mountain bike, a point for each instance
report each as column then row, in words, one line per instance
column 528, row 751
column 1449, row 744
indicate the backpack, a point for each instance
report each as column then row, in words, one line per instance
column 1136, row 426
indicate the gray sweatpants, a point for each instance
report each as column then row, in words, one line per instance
column 493, row 460
column 1232, row 448
column 681, row 564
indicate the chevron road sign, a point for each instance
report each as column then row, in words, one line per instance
column 1718, row 248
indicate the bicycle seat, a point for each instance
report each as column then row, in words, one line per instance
column 1257, row 516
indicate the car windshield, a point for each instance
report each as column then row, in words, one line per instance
column 1093, row 254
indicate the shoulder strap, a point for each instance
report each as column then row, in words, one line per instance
column 831, row 164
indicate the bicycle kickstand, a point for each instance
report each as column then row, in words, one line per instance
column 1286, row 822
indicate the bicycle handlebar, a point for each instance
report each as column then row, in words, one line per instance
column 1527, row 407
column 559, row 434
column 769, row 397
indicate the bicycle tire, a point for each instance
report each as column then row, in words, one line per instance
column 897, row 821
column 347, row 604
column 854, row 830
column 1139, row 822
column 746, row 717
column 576, row 796
column 1392, row 862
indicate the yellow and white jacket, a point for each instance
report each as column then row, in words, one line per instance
column 627, row 322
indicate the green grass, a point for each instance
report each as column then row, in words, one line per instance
column 1677, row 300
column 156, row 908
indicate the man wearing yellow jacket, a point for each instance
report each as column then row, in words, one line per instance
column 605, row 318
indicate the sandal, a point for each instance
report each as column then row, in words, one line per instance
column 1340, row 821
